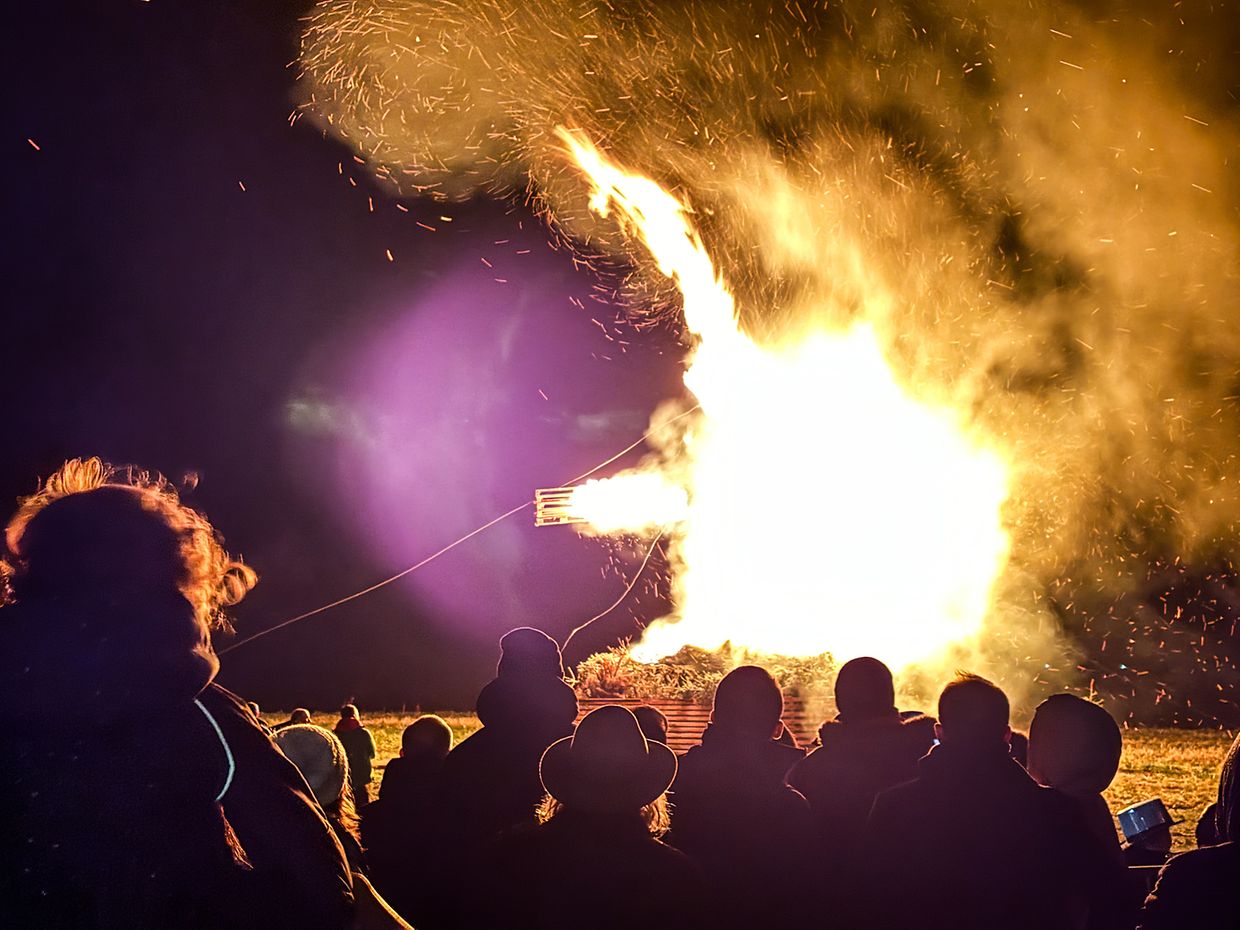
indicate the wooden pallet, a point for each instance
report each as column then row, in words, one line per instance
column 687, row 719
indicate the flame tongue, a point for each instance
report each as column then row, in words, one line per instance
column 823, row 509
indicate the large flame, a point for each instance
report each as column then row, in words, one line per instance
column 814, row 505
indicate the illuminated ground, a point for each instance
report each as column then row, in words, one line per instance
column 1180, row 766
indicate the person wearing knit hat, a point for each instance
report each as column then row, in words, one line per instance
column 736, row 816
column 320, row 757
column 491, row 778
column 596, row 851
column 527, row 651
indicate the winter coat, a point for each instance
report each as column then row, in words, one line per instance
column 138, row 794
column 359, row 747
column 406, row 833
column 604, row 871
column 1195, row 891
column 735, row 815
column 855, row 762
column 974, row 842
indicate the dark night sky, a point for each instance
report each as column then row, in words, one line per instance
column 159, row 314
column 194, row 285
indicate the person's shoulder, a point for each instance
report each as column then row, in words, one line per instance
column 906, row 795
column 1224, row 857
column 1056, row 805
column 788, row 754
column 808, row 768
column 673, row 857
column 229, row 711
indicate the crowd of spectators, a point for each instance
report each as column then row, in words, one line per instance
column 138, row 793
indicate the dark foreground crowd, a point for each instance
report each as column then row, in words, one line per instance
column 140, row 794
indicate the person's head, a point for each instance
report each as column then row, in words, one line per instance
column 1074, row 745
column 119, row 536
column 428, row 737
column 973, row 714
column 748, row 701
column 652, row 721
column 349, row 712
column 299, row 715
column 320, row 757
column 1227, row 814
column 864, row 690
column 608, row 767
column 526, row 651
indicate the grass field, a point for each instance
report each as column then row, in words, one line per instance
column 1179, row 766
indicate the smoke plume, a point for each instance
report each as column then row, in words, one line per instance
column 1034, row 204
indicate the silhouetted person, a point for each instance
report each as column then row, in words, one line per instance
column 299, row 715
column 137, row 793
column 652, row 721
column 406, row 831
column 359, row 747
column 736, row 815
column 1075, row 747
column 974, row 842
column 424, row 745
column 320, row 757
column 1206, row 831
column 492, row 776
column 1200, row 889
column 595, row 859
column 868, row 747
column 1147, row 832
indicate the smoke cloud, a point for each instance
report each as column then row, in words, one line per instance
column 1034, row 204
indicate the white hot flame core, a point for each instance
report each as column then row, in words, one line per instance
column 824, row 509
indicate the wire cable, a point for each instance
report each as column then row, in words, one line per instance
column 468, row 536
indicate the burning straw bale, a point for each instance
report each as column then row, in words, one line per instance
column 692, row 674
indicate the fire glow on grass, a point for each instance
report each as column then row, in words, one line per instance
column 813, row 505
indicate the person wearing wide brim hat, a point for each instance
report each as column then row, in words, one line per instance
column 607, row 764
column 596, row 850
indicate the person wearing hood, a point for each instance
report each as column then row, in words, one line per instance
column 736, row 816
column 138, row 793
column 595, row 859
column 1199, row 889
column 867, row 748
column 974, row 842
column 1075, row 747
column 491, row 777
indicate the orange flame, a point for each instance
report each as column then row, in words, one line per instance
column 814, row 506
